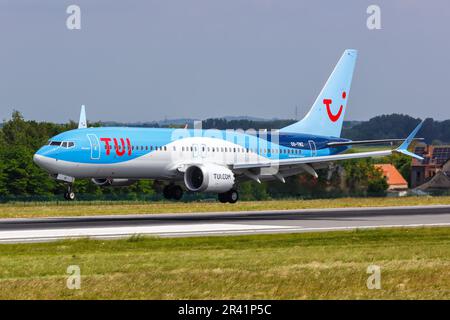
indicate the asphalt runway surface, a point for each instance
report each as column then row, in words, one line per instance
column 221, row 223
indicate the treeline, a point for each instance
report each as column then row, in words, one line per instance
column 21, row 179
column 399, row 126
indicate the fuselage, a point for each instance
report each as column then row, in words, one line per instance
column 154, row 153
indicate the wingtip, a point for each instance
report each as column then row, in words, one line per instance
column 82, row 122
column 403, row 148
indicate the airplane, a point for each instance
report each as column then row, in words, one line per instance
column 213, row 161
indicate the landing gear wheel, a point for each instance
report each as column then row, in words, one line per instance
column 69, row 194
column 231, row 196
column 172, row 192
column 223, row 197
column 166, row 192
column 177, row 193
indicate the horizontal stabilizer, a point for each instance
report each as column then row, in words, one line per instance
column 403, row 148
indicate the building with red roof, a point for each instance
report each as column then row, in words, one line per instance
column 395, row 180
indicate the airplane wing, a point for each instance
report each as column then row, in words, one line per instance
column 403, row 148
column 359, row 142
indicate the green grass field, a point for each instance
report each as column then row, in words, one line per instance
column 52, row 209
column 415, row 264
column 369, row 148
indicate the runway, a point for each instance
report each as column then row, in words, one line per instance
column 221, row 223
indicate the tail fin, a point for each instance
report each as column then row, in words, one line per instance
column 327, row 113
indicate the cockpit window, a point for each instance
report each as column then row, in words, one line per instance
column 63, row 144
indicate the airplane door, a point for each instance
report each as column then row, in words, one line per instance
column 195, row 150
column 312, row 146
column 95, row 146
column 203, row 151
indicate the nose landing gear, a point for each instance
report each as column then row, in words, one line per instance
column 69, row 194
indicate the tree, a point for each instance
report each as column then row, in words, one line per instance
column 362, row 177
column 377, row 183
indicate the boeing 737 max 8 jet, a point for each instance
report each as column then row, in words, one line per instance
column 211, row 160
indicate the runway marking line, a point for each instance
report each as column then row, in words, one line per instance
column 128, row 231
column 176, row 230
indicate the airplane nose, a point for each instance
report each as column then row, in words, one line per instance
column 37, row 159
column 44, row 162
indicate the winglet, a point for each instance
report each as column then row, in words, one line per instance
column 403, row 148
column 82, row 123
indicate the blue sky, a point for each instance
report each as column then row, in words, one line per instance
column 147, row 60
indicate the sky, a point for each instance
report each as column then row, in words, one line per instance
column 155, row 59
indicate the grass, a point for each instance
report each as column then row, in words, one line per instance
column 361, row 148
column 415, row 264
column 53, row 209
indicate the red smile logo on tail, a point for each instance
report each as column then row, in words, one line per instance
column 334, row 117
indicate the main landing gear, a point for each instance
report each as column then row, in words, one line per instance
column 172, row 192
column 231, row 196
column 69, row 194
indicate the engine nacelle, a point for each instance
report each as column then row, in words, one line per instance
column 113, row 182
column 208, row 178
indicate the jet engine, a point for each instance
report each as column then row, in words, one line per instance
column 208, row 178
column 104, row 182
